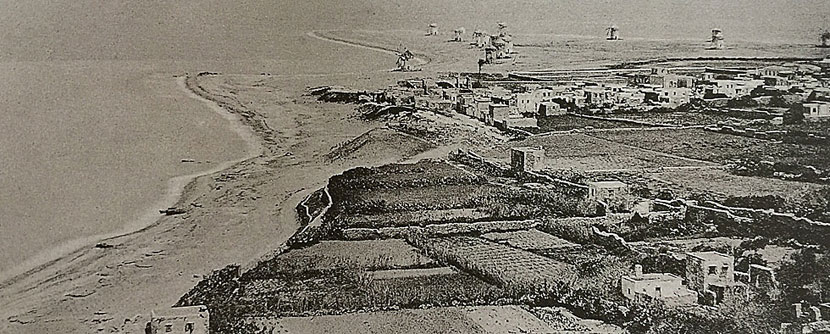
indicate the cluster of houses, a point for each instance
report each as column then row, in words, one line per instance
column 605, row 91
column 709, row 277
column 643, row 89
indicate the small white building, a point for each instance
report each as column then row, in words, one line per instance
column 615, row 194
column 667, row 288
column 816, row 111
column 185, row 320
column 674, row 97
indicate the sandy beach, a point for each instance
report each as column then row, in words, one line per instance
column 95, row 131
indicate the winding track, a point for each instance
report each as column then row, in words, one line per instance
column 420, row 59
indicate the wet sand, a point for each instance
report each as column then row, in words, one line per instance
column 95, row 148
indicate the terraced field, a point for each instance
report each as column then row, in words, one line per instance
column 532, row 239
column 510, row 267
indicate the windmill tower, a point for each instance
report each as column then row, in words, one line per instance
column 717, row 39
column 612, row 33
column 481, row 38
column 502, row 28
column 433, row 29
column 404, row 57
column 459, row 34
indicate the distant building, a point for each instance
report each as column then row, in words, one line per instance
column 598, row 96
column 674, row 97
column 612, row 33
column 814, row 320
column 482, row 108
column 774, row 71
column 816, row 111
column 615, row 194
column 551, row 109
column 762, row 277
column 433, row 29
column 497, row 113
column 186, row 320
column 527, row 159
column 490, row 54
column 711, row 274
column 667, row 288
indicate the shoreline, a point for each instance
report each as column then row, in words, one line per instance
column 174, row 191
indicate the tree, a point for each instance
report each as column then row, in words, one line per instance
column 806, row 276
column 795, row 115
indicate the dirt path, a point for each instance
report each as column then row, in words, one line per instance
column 420, row 58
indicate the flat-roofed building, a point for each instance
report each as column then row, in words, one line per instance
column 186, row 320
column 710, row 273
column 527, row 159
column 667, row 288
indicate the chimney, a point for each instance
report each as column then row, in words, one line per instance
column 638, row 270
column 797, row 307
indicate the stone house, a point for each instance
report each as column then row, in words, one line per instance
column 711, row 274
column 497, row 113
column 527, row 159
column 615, row 194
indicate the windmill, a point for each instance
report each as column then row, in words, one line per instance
column 825, row 40
column 459, row 34
column 717, row 39
column 612, row 32
column 404, row 56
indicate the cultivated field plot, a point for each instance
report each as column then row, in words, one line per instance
column 586, row 153
column 532, row 239
column 511, row 267
column 677, row 118
column 725, row 184
column 353, row 275
column 381, row 254
column 352, row 290
column 389, row 196
column 721, row 148
column 571, row 122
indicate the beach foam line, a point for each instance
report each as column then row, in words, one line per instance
column 173, row 193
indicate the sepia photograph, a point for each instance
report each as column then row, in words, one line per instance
column 415, row 166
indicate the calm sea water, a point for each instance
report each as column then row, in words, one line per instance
column 90, row 129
